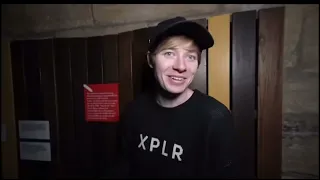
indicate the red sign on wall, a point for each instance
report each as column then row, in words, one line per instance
column 101, row 102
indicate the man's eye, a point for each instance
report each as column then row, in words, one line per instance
column 168, row 53
column 192, row 57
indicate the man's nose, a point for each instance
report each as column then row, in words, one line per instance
column 179, row 65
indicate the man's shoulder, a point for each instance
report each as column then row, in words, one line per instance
column 212, row 104
column 217, row 116
column 140, row 99
column 212, row 108
column 139, row 102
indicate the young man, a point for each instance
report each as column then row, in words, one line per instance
column 176, row 132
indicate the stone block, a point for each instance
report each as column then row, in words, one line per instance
column 301, row 33
column 51, row 17
column 292, row 30
column 14, row 19
column 300, row 154
column 136, row 13
column 301, row 92
column 301, row 59
column 310, row 39
column 118, row 14
column 37, row 18
column 43, row 20
column 301, row 123
column 301, row 101
column 102, row 31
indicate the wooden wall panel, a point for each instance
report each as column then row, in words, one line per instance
column 125, row 68
column 219, row 59
column 94, row 60
column 79, row 73
column 35, row 106
column 9, row 157
column 19, row 88
column 65, row 119
column 48, row 88
column 243, row 89
column 110, row 59
column 99, row 56
column 97, row 129
column 200, row 81
column 32, row 75
column 271, row 24
column 35, row 98
column 110, row 75
column 141, row 72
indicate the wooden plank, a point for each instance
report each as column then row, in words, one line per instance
column 243, row 89
column 140, row 69
column 110, row 59
column 125, row 68
column 35, row 106
column 97, row 130
column 32, row 75
column 9, row 158
column 200, row 79
column 271, row 25
column 94, row 60
column 66, row 124
column 19, row 89
column 78, row 54
column 219, row 59
column 100, row 56
column 48, row 86
column 110, row 75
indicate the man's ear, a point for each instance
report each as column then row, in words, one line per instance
column 149, row 59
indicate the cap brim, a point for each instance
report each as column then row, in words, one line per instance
column 191, row 29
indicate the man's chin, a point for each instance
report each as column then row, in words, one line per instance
column 175, row 91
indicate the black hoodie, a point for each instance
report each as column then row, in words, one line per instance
column 194, row 139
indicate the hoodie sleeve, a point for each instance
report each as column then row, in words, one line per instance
column 220, row 153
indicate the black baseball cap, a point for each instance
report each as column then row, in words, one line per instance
column 180, row 26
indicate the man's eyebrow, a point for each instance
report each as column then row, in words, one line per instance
column 172, row 48
column 192, row 50
column 189, row 50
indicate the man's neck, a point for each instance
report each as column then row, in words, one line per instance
column 168, row 100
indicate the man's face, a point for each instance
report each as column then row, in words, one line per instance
column 175, row 64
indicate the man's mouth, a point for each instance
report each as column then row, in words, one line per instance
column 177, row 78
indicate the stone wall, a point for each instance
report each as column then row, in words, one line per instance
column 301, row 92
column 38, row 21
